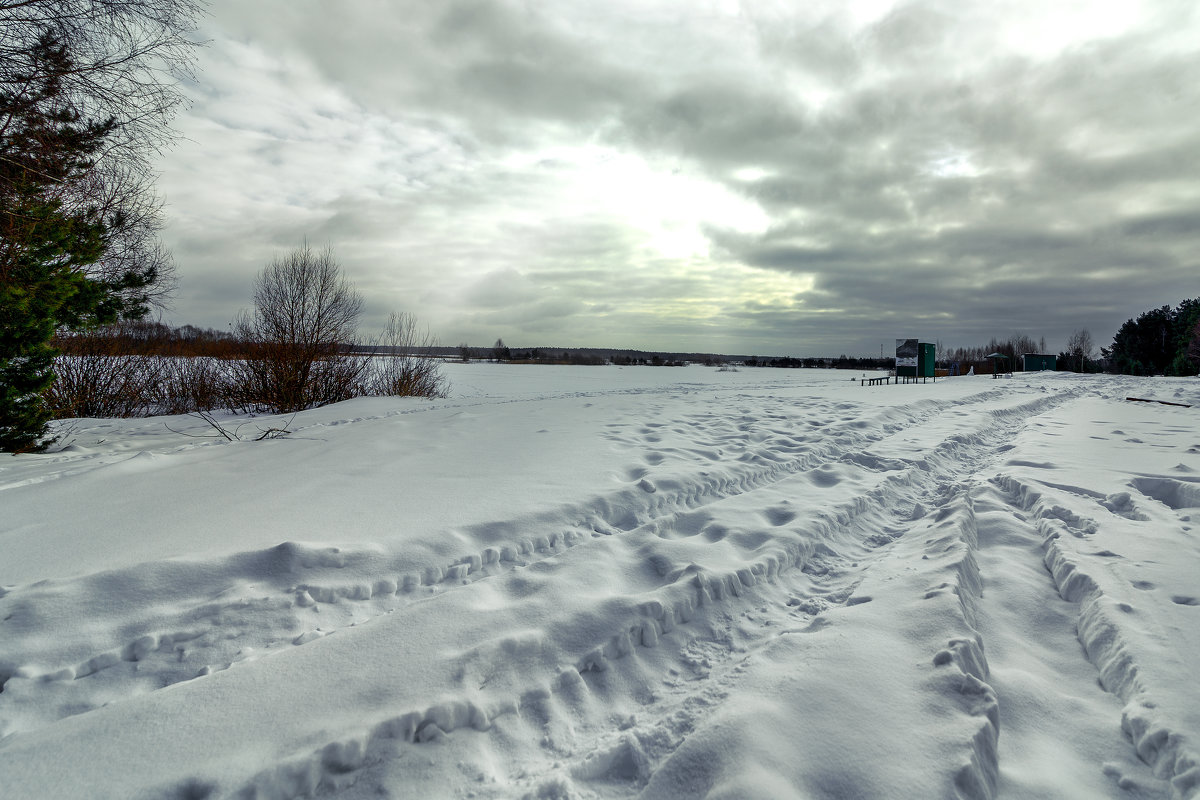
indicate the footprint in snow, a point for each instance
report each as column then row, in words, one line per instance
column 779, row 515
column 824, row 478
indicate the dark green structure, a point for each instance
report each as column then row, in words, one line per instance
column 1036, row 362
column 915, row 359
column 926, row 355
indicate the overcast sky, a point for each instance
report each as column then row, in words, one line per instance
column 773, row 178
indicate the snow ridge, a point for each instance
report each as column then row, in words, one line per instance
column 1152, row 729
column 185, row 605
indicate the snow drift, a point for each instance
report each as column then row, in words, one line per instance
column 602, row 582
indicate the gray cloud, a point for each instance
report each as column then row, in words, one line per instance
column 718, row 176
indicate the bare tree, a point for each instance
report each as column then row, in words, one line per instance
column 98, row 378
column 403, row 365
column 122, row 193
column 304, row 299
column 1080, row 348
column 124, row 60
column 300, row 334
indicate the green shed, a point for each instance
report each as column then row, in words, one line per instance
column 926, row 356
column 1036, row 362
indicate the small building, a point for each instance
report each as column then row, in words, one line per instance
column 915, row 359
column 1036, row 362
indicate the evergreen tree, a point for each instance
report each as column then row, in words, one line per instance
column 46, row 243
column 1157, row 342
column 1186, row 328
column 87, row 91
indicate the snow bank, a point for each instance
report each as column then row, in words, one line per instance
column 603, row 582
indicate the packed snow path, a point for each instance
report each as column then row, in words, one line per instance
column 616, row 583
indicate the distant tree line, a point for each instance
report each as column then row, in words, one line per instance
column 1012, row 348
column 1161, row 341
column 298, row 348
column 841, row 362
column 579, row 356
column 599, row 356
column 146, row 338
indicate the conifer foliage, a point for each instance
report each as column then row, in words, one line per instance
column 1161, row 341
column 84, row 100
column 44, row 247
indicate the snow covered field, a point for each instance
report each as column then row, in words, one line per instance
column 604, row 583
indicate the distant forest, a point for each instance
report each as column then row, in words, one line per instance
column 1161, row 341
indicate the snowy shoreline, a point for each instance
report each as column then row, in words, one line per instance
column 602, row 582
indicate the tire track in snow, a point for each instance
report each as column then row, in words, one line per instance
column 978, row 778
column 635, row 753
column 624, row 752
column 187, row 639
column 1149, row 725
column 342, row 756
